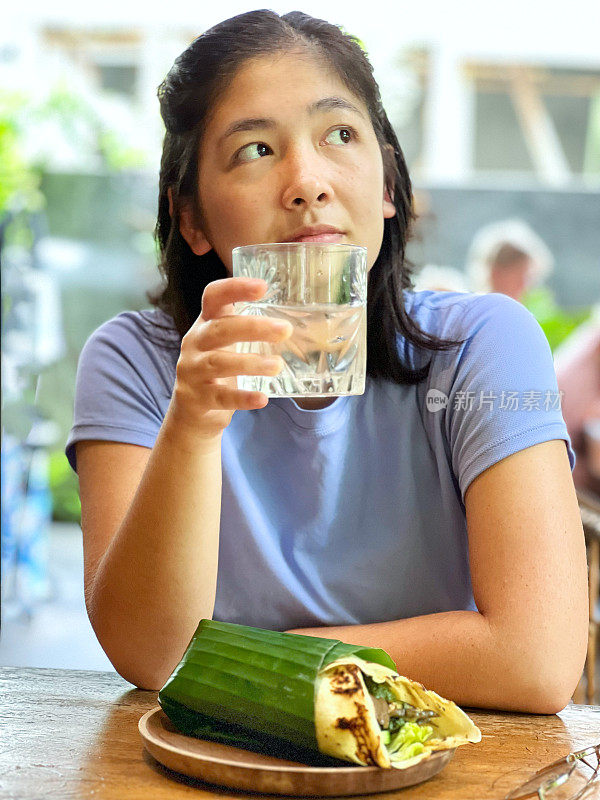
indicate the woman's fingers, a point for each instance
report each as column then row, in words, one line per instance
column 219, row 326
column 205, row 387
column 219, row 296
column 226, row 331
column 225, row 364
column 226, row 399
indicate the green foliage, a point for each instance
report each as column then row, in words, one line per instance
column 118, row 156
column 64, row 486
column 80, row 122
column 21, row 196
column 556, row 322
column 68, row 107
column 19, row 181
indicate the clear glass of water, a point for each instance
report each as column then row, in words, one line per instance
column 321, row 289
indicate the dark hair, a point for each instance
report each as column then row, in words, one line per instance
column 187, row 96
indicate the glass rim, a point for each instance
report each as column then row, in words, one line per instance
column 248, row 248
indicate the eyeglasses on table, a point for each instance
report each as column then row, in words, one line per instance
column 569, row 778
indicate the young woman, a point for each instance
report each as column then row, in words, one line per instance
column 429, row 516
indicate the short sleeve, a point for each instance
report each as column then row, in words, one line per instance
column 503, row 395
column 123, row 386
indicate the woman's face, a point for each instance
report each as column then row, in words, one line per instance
column 288, row 155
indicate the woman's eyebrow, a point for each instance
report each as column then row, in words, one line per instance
column 256, row 123
column 333, row 103
column 248, row 124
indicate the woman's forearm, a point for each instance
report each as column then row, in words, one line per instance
column 157, row 578
column 462, row 657
column 525, row 648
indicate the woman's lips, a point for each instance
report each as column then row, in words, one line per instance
column 320, row 237
column 317, row 233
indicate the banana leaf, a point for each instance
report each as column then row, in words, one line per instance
column 254, row 688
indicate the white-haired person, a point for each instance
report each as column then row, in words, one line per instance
column 508, row 257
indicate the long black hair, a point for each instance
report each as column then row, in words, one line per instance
column 187, row 96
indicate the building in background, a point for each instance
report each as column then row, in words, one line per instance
column 474, row 98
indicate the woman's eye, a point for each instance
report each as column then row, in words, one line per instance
column 253, row 151
column 340, row 136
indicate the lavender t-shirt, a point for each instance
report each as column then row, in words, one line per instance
column 353, row 513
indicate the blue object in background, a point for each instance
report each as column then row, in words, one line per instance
column 11, row 476
column 32, row 340
column 34, row 529
column 26, row 518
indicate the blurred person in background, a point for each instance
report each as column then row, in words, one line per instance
column 577, row 363
column 508, row 257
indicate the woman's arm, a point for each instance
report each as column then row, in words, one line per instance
column 525, row 648
column 151, row 518
column 150, row 522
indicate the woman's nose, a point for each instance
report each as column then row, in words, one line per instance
column 306, row 184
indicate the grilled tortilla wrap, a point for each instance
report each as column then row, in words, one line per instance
column 346, row 719
column 307, row 699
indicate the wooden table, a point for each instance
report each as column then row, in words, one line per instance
column 73, row 734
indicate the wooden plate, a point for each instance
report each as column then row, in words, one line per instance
column 241, row 769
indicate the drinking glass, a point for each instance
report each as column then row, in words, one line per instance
column 321, row 289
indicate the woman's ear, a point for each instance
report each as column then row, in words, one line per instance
column 199, row 244
column 389, row 209
column 196, row 239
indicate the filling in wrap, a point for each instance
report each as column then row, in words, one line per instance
column 371, row 715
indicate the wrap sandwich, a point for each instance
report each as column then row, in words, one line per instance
column 319, row 701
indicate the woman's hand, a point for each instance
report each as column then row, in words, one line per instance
column 205, row 393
